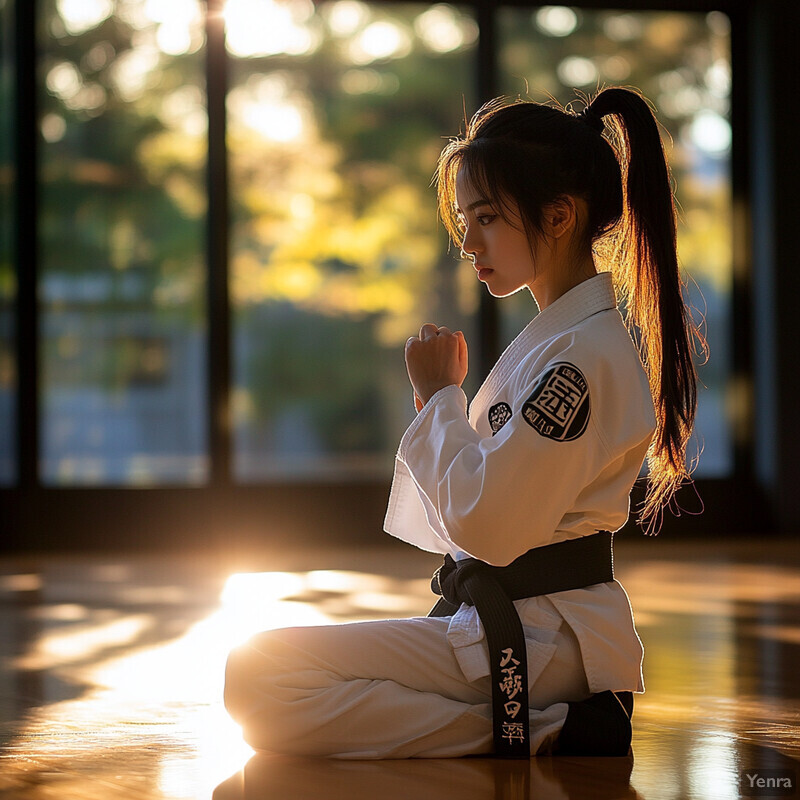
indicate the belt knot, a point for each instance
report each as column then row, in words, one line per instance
column 451, row 578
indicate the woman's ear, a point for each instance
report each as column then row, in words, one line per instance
column 560, row 216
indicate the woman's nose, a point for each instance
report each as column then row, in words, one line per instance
column 470, row 244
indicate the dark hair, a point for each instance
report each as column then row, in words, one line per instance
column 521, row 156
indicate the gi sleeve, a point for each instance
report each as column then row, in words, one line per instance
column 410, row 515
column 497, row 497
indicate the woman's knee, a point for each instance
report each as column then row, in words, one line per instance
column 246, row 670
column 263, row 695
column 236, row 681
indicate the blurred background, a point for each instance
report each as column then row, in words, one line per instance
column 217, row 231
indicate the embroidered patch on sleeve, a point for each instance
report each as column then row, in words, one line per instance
column 499, row 414
column 559, row 406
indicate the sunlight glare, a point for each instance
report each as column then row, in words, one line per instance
column 301, row 207
column 192, row 667
column 132, row 13
column 64, row 80
column 83, row 641
column 577, row 71
column 338, row 580
column 80, row 16
column 175, row 12
column 180, row 683
column 279, row 122
column 556, row 20
column 253, row 602
column 90, row 98
column 142, row 685
column 219, row 751
column 174, row 40
column 712, row 763
column 394, row 604
column 711, row 133
column 369, row 81
column 131, row 71
column 440, row 30
column 266, row 105
column 267, row 27
column 345, row 17
column 718, row 78
column 180, row 109
column 260, row 587
column 380, row 40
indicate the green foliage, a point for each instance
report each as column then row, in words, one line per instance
column 336, row 254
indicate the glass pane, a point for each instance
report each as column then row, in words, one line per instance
column 336, row 119
column 681, row 62
column 122, row 225
column 8, row 366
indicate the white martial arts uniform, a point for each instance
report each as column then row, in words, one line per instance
column 553, row 443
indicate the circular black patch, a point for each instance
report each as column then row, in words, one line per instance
column 499, row 414
column 559, row 406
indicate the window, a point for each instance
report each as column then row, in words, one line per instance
column 336, row 112
column 335, row 122
column 122, row 219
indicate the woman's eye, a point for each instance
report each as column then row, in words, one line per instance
column 485, row 219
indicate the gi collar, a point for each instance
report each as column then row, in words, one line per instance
column 581, row 302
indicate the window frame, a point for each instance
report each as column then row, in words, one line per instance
column 222, row 512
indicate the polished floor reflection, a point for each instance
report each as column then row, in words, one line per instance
column 111, row 676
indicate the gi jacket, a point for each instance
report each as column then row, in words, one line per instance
column 552, row 445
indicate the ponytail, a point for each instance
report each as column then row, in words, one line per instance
column 647, row 274
column 611, row 156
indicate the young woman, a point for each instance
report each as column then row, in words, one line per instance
column 532, row 648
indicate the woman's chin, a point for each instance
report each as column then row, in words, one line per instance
column 497, row 290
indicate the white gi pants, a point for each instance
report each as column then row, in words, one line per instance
column 384, row 689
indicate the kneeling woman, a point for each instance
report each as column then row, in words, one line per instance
column 532, row 647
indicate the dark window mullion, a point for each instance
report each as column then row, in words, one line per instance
column 742, row 278
column 487, row 87
column 218, row 299
column 26, row 249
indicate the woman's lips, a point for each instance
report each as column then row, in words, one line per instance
column 483, row 273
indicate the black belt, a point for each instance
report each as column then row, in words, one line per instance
column 559, row 567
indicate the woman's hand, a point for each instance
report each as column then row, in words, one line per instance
column 435, row 359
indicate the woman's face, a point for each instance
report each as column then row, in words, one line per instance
column 500, row 252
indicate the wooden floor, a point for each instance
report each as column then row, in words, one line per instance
column 111, row 676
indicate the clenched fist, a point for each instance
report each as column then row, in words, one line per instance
column 435, row 359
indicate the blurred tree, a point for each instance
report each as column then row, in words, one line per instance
column 337, row 112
